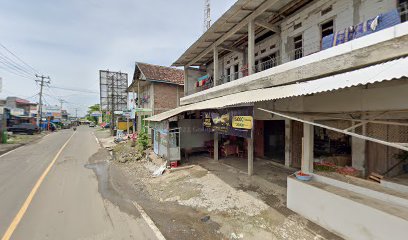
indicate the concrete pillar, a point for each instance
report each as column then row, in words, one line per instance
column 216, row 141
column 168, row 148
column 216, row 67
column 288, row 139
column 250, row 156
column 251, row 47
column 185, row 80
column 308, row 145
column 358, row 151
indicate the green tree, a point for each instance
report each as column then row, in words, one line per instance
column 91, row 109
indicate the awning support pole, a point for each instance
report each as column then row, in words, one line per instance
column 308, row 147
column 250, row 156
column 216, row 151
column 399, row 146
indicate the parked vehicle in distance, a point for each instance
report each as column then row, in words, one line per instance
column 106, row 125
column 92, row 124
column 27, row 128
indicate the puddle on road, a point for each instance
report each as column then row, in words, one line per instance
column 100, row 164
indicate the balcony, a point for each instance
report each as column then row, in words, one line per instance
column 310, row 52
column 311, row 62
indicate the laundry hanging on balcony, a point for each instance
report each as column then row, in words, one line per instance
column 201, row 81
column 380, row 22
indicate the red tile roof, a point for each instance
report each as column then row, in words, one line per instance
column 161, row 73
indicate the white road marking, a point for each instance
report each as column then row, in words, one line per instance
column 149, row 222
column 13, row 225
column 96, row 139
column 23, row 145
column 7, row 153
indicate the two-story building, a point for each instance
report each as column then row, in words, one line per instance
column 21, row 110
column 155, row 89
column 309, row 84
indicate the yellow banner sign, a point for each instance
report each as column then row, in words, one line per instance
column 242, row 122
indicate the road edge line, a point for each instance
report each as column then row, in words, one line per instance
column 13, row 150
column 13, row 225
column 21, row 145
column 96, row 139
column 149, row 221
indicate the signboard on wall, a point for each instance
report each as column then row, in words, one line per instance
column 242, row 122
column 231, row 121
column 17, row 111
column 96, row 114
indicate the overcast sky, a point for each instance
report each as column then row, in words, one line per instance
column 71, row 40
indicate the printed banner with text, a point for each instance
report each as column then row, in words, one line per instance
column 231, row 121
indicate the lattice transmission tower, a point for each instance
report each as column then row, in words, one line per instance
column 207, row 15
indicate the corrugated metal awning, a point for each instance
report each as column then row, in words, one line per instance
column 387, row 71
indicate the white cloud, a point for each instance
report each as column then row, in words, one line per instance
column 72, row 40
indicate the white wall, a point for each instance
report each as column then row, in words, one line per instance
column 192, row 134
column 342, row 215
column 146, row 90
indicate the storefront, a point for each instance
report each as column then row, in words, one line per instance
column 166, row 140
column 232, row 129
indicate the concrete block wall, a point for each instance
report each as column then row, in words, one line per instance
column 165, row 97
column 369, row 8
column 311, row 19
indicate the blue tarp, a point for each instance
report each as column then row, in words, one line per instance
column 383, row 21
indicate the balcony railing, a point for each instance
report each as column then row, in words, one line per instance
column 403, row 9
column 262, row 66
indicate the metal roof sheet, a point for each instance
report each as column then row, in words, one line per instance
column 386, row 71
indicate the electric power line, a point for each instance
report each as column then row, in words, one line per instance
column 26, row 64
column 74, row 89
column 13, row 71
column 13, row 64
column 10, row 62
column 6, row 61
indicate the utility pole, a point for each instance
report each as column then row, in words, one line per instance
column 42, row 82
column 61, row 102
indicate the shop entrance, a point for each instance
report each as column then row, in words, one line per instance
column 274, row 140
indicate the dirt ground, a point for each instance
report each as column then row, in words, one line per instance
column 211, row 201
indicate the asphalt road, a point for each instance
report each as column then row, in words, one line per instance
column 67, row 204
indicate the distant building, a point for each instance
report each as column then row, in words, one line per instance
column 21, row 110
column 155, row 89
